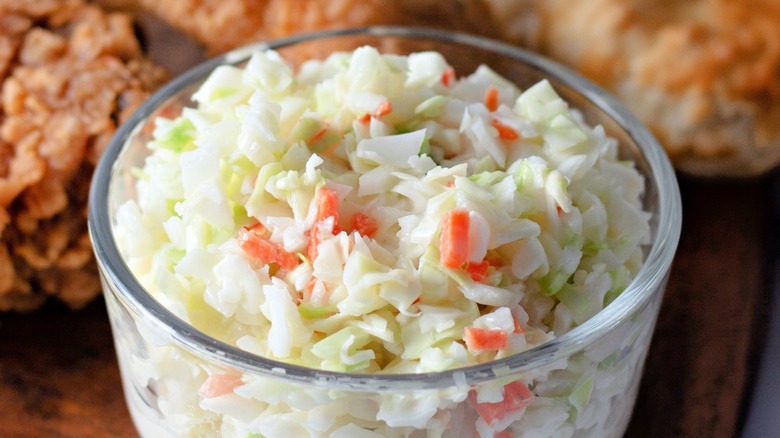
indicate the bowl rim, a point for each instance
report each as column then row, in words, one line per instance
column 648, row 282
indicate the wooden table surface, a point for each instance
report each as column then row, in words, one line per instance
column 59, row 376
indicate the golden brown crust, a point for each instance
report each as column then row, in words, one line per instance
column 226, row 24
column 69, row 72
column 703, row 74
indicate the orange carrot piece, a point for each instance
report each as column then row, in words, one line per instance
column 219, row 384
column 318, row 135
column 364, row 224
column 384, row 108
column 477, row 270
column 314, row 241
column 327, row 204
column 448, row 76
column 327, row 207
column 480, row 339
column 516, row 397
column 254, row 241
column 286, row 260
column 491, row 98
column 504, row 132
column 256, row 246
column 454, row 242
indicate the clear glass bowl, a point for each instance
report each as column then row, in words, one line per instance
column 585, row 382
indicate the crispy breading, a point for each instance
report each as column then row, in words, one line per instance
column 704, row 75
column 70, row 72
column 226, row 24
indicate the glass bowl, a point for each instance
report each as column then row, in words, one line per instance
column 584, row 382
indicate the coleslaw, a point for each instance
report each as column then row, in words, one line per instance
column 376, row 213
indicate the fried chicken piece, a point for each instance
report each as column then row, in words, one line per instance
column 226, row 24
column 70, row 72
column 702, row 74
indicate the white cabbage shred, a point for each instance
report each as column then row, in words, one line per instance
column 555, row 232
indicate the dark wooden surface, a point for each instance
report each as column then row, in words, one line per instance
column 59, row 376
column 710, row 332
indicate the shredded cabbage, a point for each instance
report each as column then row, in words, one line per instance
column 301, row 216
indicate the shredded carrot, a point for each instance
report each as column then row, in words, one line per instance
column 327, row 205
column 448, row 76
column 256, row 245
column 219, row 384
column 318, row 135
column 384, row 108
column 559, row 210
column 327, row 208
column 504, row 132
column 516, row 397
column 454, row 242
column 286, row 260
column 364, row 224
column 480, row 339
column 477, row 270
column 314, row 241
column 504, row 434
column 254, row 241
column 491, row 98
